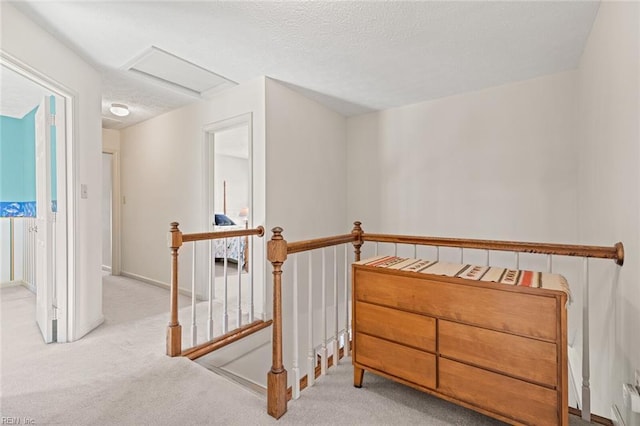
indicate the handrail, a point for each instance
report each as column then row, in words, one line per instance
column 259, row 231
column 616, row 252
column 300, row 246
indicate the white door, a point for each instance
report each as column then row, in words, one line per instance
column 44, row 222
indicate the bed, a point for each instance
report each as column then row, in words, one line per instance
column 491, row 339
column 236, row 248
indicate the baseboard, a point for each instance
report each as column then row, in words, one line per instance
column 92, row 326
column 575, row 380
column 616, row 417
column 595, row 419
column 156, row 283
column 256, row 314
column 106, row 268
column 29, row 286
column 8, row 284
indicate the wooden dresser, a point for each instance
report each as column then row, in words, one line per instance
column 497, row 349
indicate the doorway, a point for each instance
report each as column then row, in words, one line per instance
column 33, row 192
column 111, row 253
column 107, row 212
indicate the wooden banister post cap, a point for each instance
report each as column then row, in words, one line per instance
column 277, row 247
column 175, row 236
column 277, row 233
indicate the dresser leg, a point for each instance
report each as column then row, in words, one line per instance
column 357, row 376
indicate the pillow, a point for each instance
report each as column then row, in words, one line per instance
column 222, row 220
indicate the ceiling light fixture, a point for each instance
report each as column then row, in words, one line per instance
column 120, row 110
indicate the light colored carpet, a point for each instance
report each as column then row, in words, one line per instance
column 119, row 374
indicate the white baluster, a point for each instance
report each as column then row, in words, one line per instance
column 194, row 326
column 336, row 343
column 376, row 253
column 586, row 391
column 249, row 261
column 296, row 369
column 461, row 255
column 487, row 260
column 549, row 263
column 211, row 291
column 415, row 251
column 212, row 258
column 517, row 260
column 240, row 265
column 438, row 253
column 395, row 249
column 323, row 351
column 347, row 348
column 311, row 361
column 225, row 313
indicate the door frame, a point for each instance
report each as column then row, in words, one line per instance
column 208, row 160
column 116, row 251
column 65, row 267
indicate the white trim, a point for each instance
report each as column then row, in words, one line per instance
column 67, row 268
column 106, row 268
column 95, row 324
column 209, row 131
column 156, row 283
column 616, row 417
column 116, row 211
column 8, row 284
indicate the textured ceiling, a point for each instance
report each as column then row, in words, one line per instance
column 352, row 56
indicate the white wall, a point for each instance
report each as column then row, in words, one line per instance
column 163, row 176
column 608, row 150
column 24, row 40
column 306, row 165
column 498, row 164
column 110, row 140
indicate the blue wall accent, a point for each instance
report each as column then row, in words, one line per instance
column 18, row 165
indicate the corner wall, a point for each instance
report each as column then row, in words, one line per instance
column 306, row 165
column 609, row 192
column 496, row 164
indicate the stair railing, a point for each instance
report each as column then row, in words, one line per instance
column 278, row 250
column 212, row 342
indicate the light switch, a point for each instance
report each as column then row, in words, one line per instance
column 83, row 191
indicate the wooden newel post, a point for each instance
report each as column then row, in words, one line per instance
column 277, row 377
column 357, row 230
column 174, row 330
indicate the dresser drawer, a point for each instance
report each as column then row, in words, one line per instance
column 494, row 306
column 513, row 398
column 522, row 357
column 409, row 329
column 397, row 360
